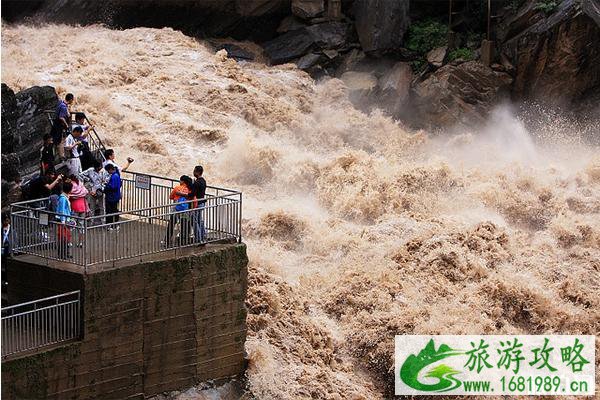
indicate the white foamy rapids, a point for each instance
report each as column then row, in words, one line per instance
column 356, row 229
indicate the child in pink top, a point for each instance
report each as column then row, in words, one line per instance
column 79, row 207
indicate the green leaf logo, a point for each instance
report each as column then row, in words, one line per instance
column 413, row 365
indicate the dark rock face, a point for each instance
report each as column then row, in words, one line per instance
column 308, row 8
column 240, row 19
column 33, row 123
column 24, row 124
column 296, row 43
column 330, row 35
column 461, row 94
column 10, row 167
column 381, row 24
column 557, row 58
column 256, row 8
column 395, row 87
column 9, row 118
column 290, row 45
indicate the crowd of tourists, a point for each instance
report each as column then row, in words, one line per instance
column 92, row 189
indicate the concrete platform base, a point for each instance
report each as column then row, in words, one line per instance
column 156, row 326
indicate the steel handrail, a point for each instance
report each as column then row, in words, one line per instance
column 177, row 181
column 39, row 300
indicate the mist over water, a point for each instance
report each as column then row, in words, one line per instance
column 357, row 229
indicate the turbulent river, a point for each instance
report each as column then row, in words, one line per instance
column 357, row 228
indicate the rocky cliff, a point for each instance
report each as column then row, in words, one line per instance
column 24, row 123
column 556, row 54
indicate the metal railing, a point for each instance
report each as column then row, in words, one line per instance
column 96, row 146
column 39, row 323
column 148, row 223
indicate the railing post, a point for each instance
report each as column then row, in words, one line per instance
column 240, row 222
column 11, row 234
column 85, row 238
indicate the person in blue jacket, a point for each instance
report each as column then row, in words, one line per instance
column 63, row 217
column 112, row 194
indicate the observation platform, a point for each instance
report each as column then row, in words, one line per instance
column 148, row 228
column 151, row 303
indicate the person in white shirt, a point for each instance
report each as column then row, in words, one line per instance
column 72, row 145
column 109, row 155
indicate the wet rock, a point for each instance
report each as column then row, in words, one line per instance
column 330, row 35
column 290, row 45
column 381, row 24
column 363, row 81
column 350, row 61
column 462, row 94
column 256, row 8
column 556, row 56
column 307, row 9
column 290, row 23
column 308, row 60
column 10, row 167
column 361, row 85
column 33, row 123
column 296, row 43
column 331, row 54
column 436, row 56
column 394, row 87
column 236, row 52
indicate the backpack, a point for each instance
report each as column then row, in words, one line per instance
column 182, row 206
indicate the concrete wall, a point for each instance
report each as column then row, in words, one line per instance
column 148, row 328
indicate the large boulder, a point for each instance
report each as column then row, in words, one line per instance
column 437, row 56
column 330, row 35
column 290, row 45
column 296, row 43
column 459, row 94
column 290, row 23
column 381, row 24
column 556, row 56
column 307, row 9
column 394, row 88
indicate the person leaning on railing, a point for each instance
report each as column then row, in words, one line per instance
column 109, row 155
